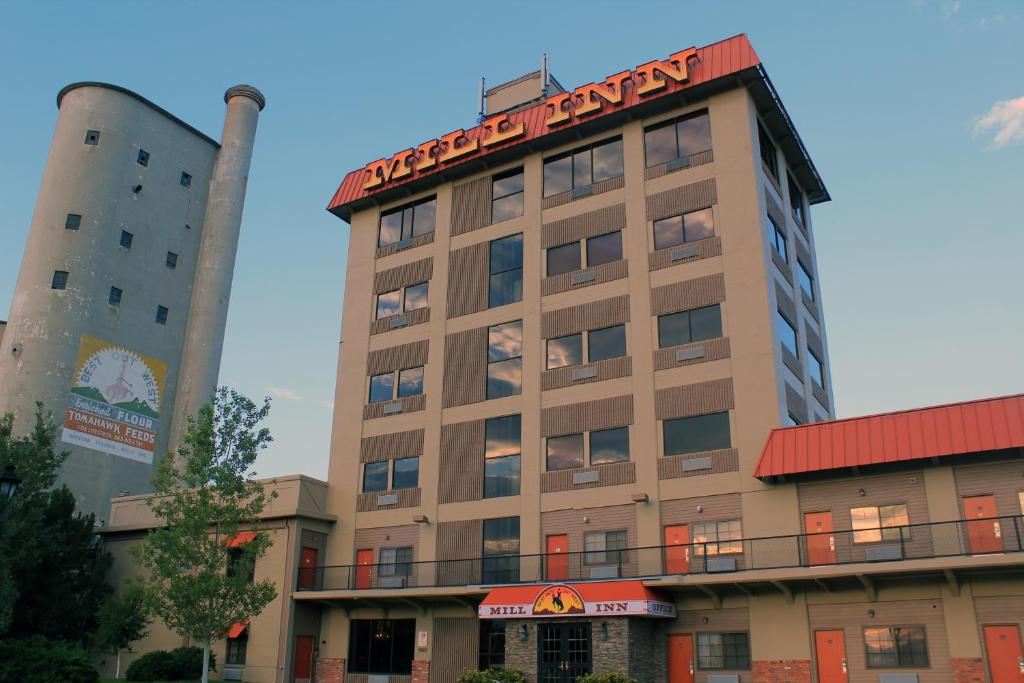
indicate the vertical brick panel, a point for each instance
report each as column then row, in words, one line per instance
column 420, row 671
column 468, row 270
column 462, row 462
column 471, row 205
column 584, row 225
column 782, row 671
column 689, row 294
column 968, row 670
column 330, row 670
column 404, row 275
column 465, row 367
column 681, row 200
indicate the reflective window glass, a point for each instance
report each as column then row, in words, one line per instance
column 381, row 387
column 609, row 342
column 564, row 452
column 410, row 382
column 697, row 433
column 604, row 248
column 563, row 259
column 609, row 446
column 375, row 476
column 406, row 474
column 564, row 351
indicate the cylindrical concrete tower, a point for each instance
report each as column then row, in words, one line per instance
column 131, row 201
column 197, row 379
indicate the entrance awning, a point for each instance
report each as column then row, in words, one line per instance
column 600, row 598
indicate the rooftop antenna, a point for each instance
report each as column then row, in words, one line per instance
column 544, row 76
column 482, row 101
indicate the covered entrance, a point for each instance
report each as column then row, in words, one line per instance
column 564, row 651
column 564, row 630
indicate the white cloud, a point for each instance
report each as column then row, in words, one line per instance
column 1006, row 119
column 285, row 393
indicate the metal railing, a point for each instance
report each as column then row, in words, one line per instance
column 995, row 535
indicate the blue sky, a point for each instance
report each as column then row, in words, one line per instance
column 919, row 252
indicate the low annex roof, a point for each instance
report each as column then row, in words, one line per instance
column 939, row 431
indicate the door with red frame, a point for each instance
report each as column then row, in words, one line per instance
column 680, row 658
column 557, row 561
column 984, row 533
column 307, row 568
column 364, row 568
column 1005, row 656
column 302, row 666
column 677, row 549
column 821, row 542
column 830, row 649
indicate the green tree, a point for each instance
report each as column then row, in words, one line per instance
column 123, row 619
column 57, row 565
column 204, row 495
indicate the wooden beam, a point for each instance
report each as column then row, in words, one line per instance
column 869, row 587
column 716, row 599
column 953, row 581
column 785, row 590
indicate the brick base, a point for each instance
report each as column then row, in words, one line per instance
column 421, row 671
column 968, row 670
column 782, row 671
column 330, row 670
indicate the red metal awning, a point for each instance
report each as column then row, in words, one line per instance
column 955, row 429
column 237, row 629
column 241, row 539
column 603, row 598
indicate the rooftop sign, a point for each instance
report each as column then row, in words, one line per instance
column 620, row 91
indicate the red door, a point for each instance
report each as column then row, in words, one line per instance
column 1005, row 657
column 830, row 647
column 680, row 659
column 307, row 569
column 821, row 542
column 984, row 535
column 302, row 667
column 557, row 560
column 364, row 569
column 677, row 549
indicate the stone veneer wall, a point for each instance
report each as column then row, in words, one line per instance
column 782, row 671
column 330, row 670
column 635, row 646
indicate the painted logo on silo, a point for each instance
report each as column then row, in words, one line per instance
column 115, row 400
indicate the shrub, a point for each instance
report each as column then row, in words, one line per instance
column 161, row 665
column 612, row 677
column 37, row 660
column 493, row 676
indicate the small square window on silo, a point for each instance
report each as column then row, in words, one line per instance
column 73, row 222
column 172, row 260
column 126, row 239
column 92, row 137
column 143, row 158
column 186, row 179
column 161, row 315
column 60, row 280
column 114, row 298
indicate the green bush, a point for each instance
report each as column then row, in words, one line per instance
column 37, row 660
column 605, row 678
column 493, row 676
column 161, row 665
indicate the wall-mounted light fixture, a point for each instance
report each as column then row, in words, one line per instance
column 523, row 633
column 421, row 519
column 861, row 492
column 640, row 498
column 871, row 613
column 604, row 631
column 700, row 508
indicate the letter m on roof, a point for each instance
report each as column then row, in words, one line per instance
column 386, row 170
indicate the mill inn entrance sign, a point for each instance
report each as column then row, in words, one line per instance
column 602, row 598
column 558, row 111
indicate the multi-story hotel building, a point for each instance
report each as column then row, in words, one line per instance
column 567, row 334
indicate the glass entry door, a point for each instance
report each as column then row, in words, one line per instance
column 563, row 651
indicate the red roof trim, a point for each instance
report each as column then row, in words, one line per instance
column 919, row 433
column 714, row 61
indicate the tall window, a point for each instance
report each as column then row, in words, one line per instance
column 507, row 195
column 600, row 249
column 502, row 446
column 126, row 239
column 114, row 297
column 684, row 327
column 501, row 550
column 768, row 153
column 406, row 222
column 723, row 651
column 787, row 333
column 602, row 344
column 505, row 359
column 678, row 138
column 806, row 281
column 896, row 647
column 778, row 239
column 796, row 199
column 605, row 547
column 161, row 315
column 688, row 227
column 582, row 167
column 817, row 372
column 506, row 268
column 880, row 523
column 492, row 644
column 698, row 433
column 381, row 646
column 236, row 647
column 719, row 538
column 402, row 300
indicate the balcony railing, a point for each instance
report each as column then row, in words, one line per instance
column 996, row 535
